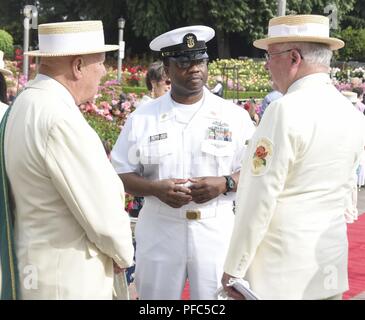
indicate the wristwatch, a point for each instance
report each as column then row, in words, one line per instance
column 230, row 184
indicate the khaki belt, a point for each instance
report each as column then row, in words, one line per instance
column 193, row 214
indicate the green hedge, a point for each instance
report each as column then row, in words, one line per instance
column 6, row 44
column 245, row 95
column 136, row 90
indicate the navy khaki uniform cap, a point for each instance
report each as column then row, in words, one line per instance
column 189, row 42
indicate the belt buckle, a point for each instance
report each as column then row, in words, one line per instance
column 193, row 214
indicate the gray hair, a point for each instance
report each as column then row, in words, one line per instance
column 313, row 53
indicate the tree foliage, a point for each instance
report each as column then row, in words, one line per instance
column 247, row 17
column 108, row 11
column 149, row 18
column 355, row 44
column 11, row 18
column 153, row 17
column 355, row 18
column 6, row 44
column 66, row 10
column 318, row 6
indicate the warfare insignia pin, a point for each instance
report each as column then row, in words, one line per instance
column 261, row 159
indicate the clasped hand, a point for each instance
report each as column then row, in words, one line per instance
column 179, row 192
column 204, row 189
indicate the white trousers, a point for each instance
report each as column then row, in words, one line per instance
column 170, row 249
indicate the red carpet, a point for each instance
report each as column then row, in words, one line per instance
column 186, row 295
column 356, row 265
column 356, row 235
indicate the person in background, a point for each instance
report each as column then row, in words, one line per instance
column 361, row 172
column 352, row 96
column 360, row 96
column 218, row 88
column 3, row 87
column 183, row 153
column 356, row 82
column 270, row 97
column 290, row 235
column 355, row 97
column 157, row 82
column 351, row 212
column 71, row 231
column 251, row 105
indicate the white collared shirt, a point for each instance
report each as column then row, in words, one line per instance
column 154, row 144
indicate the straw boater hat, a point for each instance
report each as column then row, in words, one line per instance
column 4, row 71
column 71, row 38
column 299, row 28
column 352, row 96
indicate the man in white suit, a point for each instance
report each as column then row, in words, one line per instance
column 289, row 239
column 70, row 223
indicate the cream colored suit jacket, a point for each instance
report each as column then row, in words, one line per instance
column 69, row 218
column 289, row 239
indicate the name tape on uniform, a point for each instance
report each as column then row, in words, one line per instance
column 158, row 137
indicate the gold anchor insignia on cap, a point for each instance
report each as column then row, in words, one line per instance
column 190, row 40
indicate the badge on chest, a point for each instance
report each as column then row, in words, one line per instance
column 219, row 131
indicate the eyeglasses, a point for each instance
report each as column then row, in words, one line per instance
column 269, row 55
column 184, row 63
